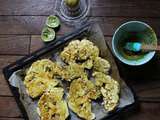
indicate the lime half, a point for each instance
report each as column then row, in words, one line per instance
column 52, row 21
column 48, row 34
column 72, row 3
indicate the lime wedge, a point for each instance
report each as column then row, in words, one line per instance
column 48, row 34
column 52, row 21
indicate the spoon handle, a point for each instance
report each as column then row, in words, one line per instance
column 150, row 48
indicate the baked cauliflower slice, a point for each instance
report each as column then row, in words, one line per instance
column 44, row 66
column 79, row 51
column 101, row 78
column 73, row 71
column 69, row 54
column 109, row 88
column 83, row 110
column 110, row 94
column 87, row 50
column 80, row 87
column 101, row 65
column 51, row 105
column 39, row 76
column 79, row 99
column 36, row 84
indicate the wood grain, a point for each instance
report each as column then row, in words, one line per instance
column 21, row 23
column 27, row 7
column 14, row 44
column 4, row 118
column 9, row 107
column 37, row 43
column 7, row 59
column 110, row 24
column 99, row 8
column 148, row 111
column 126, row 8
column 4, row 61
column 4, row 87
column 33, row 24
column 25, row 25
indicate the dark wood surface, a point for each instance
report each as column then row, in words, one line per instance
column 21, row 22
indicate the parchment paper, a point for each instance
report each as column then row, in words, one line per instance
column 30, row 105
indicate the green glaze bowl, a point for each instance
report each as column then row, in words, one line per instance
column 133, row 31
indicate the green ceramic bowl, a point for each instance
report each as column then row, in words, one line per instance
column 133, row 31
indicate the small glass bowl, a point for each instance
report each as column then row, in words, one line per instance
column 73, row 16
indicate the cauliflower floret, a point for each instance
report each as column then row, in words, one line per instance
column 88, row 64
column 101, row 65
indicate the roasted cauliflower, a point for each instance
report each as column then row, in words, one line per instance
column 88, row 76
column 69, row 54
column 73, row 71
column 79, row 51
column 109, row 89
column 80, row 95
column 101, row 65
column 87, row 50
column 51, row 105
column 39, row 76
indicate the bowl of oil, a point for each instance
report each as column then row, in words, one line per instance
column 133, row 31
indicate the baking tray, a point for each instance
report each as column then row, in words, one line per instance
column 93, row 32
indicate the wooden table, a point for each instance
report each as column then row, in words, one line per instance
column 21, row 22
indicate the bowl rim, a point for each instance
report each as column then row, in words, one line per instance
column 149, row 56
